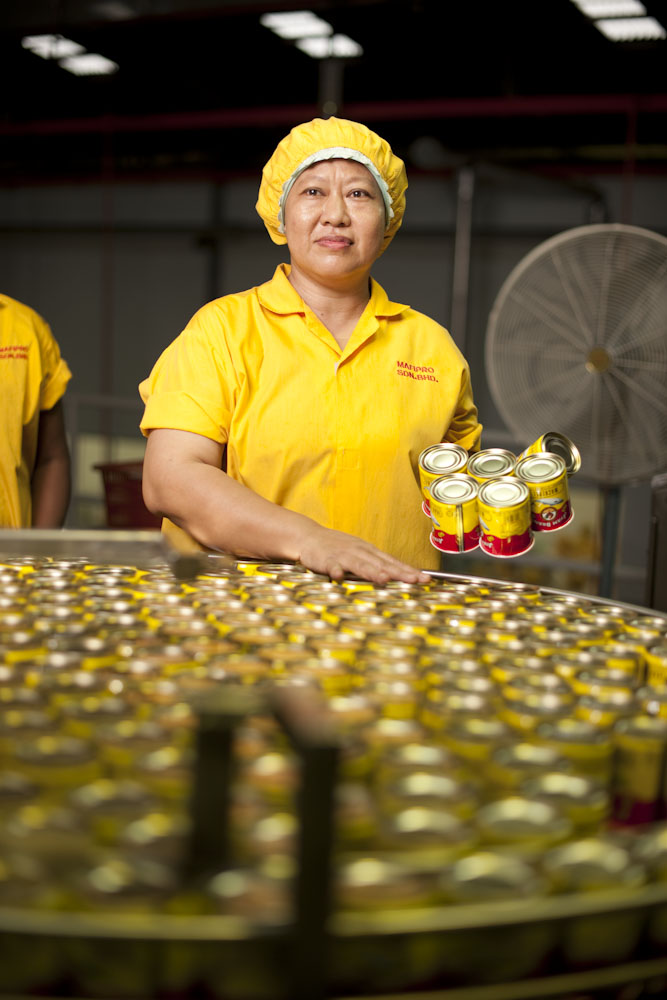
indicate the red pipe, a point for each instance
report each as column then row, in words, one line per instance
column 487, row 107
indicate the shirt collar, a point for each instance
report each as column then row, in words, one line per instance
column 279, row 296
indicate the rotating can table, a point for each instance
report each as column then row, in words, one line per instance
column 242, row 780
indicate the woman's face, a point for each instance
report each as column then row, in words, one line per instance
column 334, row 222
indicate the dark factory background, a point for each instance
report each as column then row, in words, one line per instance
column 127, row 197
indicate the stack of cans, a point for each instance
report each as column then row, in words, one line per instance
column 496, row 500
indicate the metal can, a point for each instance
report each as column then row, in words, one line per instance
column 587, row 747
column 656, row 665
column 369, row 883
column 653, row 700
column 471, row 955
column 426, row 790
column 453, row 507
column 640, row 757
column 617, row 656
column 504, row 517
column 513, row 763
column 522, row 826
column 424, row 837
column 559, row 445
column 584, row 801
column 491, row 463
column 546, row 479
column 526, row 714
column 473, row 740
column 593, row 865
column 605, row 708
column 650, row 849
column 439, row 460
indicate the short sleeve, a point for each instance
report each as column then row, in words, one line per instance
column 55, row 371
column 192, row 386
column 465, row 428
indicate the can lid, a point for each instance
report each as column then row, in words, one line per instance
column 444, row 457
column 503, row 492
column 540, row 467
column 560, row 445
column 453, row 489
column 491, row 462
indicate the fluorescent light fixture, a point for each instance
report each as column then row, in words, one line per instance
column 51, row 46
column 631, row 29
column 296, row 24
column 610, row 8
column 114, row 10
column 338, row 47
column 89, row 64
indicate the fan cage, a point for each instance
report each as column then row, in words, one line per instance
column 577, row 343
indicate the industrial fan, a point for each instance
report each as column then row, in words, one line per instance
column 577, row 342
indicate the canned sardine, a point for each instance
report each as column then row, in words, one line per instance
column 559, row 445
column 453, row 507
column 545, row 476
column 492, row 463
column 439, row 460
column 505, row 517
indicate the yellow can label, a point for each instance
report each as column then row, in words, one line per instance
column 505, row 521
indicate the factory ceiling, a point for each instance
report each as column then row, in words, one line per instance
column 204, row 88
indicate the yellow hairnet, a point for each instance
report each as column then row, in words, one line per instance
column 329, row 138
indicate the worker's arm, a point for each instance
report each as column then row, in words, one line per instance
column 182, row 480
column 50, row 482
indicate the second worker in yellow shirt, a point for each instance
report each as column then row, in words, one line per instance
column 314, row 392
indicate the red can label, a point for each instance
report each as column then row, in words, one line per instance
column 464, row 542
column 549, row 514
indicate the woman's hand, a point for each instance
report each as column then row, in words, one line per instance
column 183, row 481
column 336, row 553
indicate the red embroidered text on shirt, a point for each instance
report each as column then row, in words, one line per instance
column 423, row 373
column 14, row 351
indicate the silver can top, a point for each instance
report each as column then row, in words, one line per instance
column 541, row 467
column 444, row 457
column 491, row 463
column 455, row 489
column 503, row 492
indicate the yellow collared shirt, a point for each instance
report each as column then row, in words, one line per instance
column 33, row 377
column 335, row 435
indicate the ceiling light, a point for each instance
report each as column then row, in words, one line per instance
column 89, row 64
column 610, row 8
column 631, row 29
column 338, row 47
column 114, row 10
column 296, row 24
column 51, row 46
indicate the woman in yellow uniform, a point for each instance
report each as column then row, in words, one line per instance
column 314, row 391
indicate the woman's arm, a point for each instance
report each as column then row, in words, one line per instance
column 183, row 481
column 50, row 481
